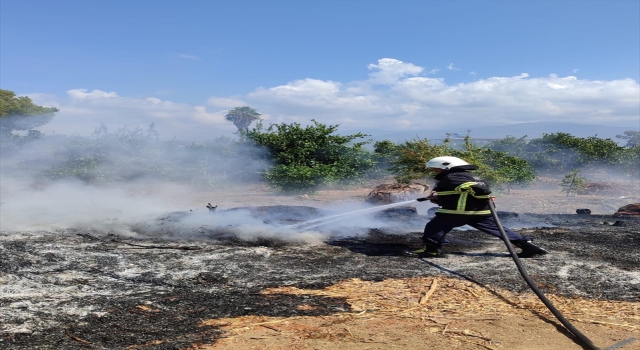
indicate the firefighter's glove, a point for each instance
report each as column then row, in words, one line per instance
column 423, row 199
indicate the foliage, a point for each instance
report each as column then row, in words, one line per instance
column 632, row 137
column 573, row 183
column 562, row 152
column 305, row 157
column 242, row 117
column 20, row 113
column 497, row 168
column 553, row 152
column 505, row 170
column 384, row 154
column 630, row 161
column 412, row 157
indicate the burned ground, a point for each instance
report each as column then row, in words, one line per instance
column 78, row 289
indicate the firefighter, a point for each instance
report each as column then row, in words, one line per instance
column 464, row 200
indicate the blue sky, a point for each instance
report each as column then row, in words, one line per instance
column 361, row 64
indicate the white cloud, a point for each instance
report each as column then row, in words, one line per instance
column 413, row 101
column 214, row 118
column 307, row 87
column 226, row 102
column 389, row 70
column 82, row 94
column 433, row 71
column 305, row 99
column 395, row 95
column 451, row 67
column 556, row 86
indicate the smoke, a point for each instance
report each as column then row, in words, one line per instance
column 232, row 225
column 130, row 183
column 111, row 182
column 68, row 204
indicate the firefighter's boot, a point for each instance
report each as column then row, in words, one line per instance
column 529, row 249
column 426, row 251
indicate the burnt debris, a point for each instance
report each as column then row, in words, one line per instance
column 87, row 290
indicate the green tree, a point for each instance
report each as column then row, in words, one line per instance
column 20, row 113
column 242, row 117
column 305, row 157
column 412, row 157
column 632, row 137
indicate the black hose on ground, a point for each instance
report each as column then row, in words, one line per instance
column 535, row 288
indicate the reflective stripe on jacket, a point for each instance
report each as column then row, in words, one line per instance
column 461, row 192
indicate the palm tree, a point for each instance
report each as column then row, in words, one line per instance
column 242, row 117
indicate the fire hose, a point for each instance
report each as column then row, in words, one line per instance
column 586, row 341
column 573, row 330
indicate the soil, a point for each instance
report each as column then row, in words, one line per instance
column 343, row 286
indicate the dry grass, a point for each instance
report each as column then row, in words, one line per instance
column 436, row 299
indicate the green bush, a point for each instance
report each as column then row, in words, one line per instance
column 306, row 157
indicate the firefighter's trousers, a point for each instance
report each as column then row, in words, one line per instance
column 436, row 230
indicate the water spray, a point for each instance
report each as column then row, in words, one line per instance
column 333, row 218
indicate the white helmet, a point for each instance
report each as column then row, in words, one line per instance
column 445, row 163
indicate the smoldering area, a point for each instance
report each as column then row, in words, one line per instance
column 114, row 291
column 124, row 261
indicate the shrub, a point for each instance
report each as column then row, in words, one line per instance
column 305, row 157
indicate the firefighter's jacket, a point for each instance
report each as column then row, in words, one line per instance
column 461, row 192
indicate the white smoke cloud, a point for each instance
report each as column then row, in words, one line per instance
column 131, row 209
column 67, row 204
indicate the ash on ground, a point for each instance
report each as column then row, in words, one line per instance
column 77, row 289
